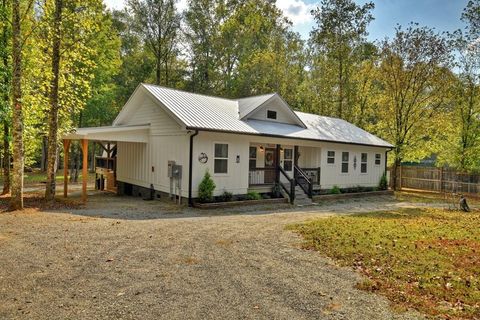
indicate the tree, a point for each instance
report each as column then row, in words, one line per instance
column 341, row 27
column 158, row 24
column 414, row 80
column 16, row 201
column 5, row 80
column 53, row 112
column 461, row 149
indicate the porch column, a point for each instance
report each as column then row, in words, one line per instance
column 84, row 143
column 277, row 164
column 66, row 151
column 295, row 162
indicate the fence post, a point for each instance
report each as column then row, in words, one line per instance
column 441, row 179
column 400, row 177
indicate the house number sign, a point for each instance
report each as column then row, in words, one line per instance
column 203, row 158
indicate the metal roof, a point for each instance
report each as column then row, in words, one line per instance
column 198, row 111
column 135, row 133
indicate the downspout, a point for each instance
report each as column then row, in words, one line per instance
column 190, row 174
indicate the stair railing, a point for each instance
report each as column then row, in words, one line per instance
column 303, row 181
column 290, row 189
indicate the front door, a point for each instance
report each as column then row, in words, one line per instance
column 270, row 162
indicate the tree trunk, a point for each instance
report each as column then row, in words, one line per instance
column 53, row 114
column 16, row 201
column 6, row 158
column 6, row 102
column 43, row 162
column 158, row 70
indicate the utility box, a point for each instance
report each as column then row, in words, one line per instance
column 177, row 171
column 171, row 163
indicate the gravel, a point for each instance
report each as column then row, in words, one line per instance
column 125, row 258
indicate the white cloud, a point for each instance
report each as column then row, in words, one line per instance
column 297, row 11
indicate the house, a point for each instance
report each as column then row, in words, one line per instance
column 167, row 139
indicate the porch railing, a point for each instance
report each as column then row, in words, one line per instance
column 261, row 176
column 313, row 174
column 303, row 181
column 288, row 188
column 106, row 163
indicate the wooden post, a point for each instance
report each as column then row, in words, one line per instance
column 66, row 151
column 84, row 169
column 295, row 162
column 441, row 179
column 400, row 177
column 277, row 164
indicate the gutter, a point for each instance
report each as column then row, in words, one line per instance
column 190, row 166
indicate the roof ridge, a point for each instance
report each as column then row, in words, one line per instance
column 185, row 91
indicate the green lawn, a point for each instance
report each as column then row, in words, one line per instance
column 39, row 177
column 428, row 259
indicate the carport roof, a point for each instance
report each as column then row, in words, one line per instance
column 130, row 133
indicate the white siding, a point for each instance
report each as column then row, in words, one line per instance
column 149, row 111
column 283, row 115
column 132, row 163
column 313, row 154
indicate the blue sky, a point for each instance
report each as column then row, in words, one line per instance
column 443, row 15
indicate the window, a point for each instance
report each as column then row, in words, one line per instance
column 220, row 158
column 271, row 114
column 378, row 159
column 331, row 157
column 345, row 157
column 363, row 165
column 252, row 163
column 287, row 159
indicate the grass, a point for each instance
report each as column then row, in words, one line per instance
column 41, row 177
column 427, row 259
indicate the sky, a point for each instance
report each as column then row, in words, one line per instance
column 443, row 15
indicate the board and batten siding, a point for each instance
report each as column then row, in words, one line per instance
column 312, row 154
column 331, row 174
column 145, row 164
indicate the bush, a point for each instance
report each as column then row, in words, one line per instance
column 206, row 188
column 227, row 196
column 252, row 195
column 383, row 184
column 335, row 190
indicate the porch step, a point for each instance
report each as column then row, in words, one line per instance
column 301, row 198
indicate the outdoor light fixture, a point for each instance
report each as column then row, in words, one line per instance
column 261, row 148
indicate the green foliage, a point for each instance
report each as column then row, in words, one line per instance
column 206, row 188
column 335, row 190
column 419, row 258
column 252, row 195
column 383, row 184
column 227, row 196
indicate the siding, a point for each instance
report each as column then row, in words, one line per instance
column 312, row 154
column 282, row 115
column 132, row 163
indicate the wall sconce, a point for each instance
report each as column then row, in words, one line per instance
column 238, row 158
column 261, row 149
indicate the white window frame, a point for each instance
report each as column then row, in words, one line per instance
column 364, row 162
column 347, row 162
column 285, row 159
column 334, row 155
column 250, row 159
column 220, row 158
column 379, row 159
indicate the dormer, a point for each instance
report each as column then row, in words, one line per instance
column 269, row 107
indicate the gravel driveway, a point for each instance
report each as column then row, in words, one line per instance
column 124, row 258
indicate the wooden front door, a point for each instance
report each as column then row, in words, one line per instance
column 270, row 162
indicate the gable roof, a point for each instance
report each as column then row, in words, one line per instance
column 200, row 112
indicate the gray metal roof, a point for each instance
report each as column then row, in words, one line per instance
column 198, row 111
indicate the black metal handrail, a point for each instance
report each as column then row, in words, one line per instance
column 303, row 181
column 291, row 193
column 313, row 174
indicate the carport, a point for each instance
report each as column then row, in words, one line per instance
column 104, row 136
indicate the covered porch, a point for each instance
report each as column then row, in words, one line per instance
column 285, row 165
column 105, row 165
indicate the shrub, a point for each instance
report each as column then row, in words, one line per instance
column 335, row 190
column 383, row 185
column 205, row 189
column 227, row 196
column 252, row 195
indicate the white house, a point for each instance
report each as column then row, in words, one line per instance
column 246, row 144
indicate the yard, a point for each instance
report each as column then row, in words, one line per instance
column 428, row 259
column 123, row 257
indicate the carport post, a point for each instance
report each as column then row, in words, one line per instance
column 84, row 169
column 66, row 150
